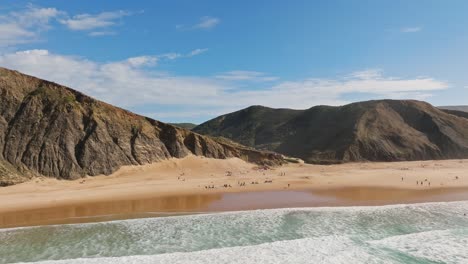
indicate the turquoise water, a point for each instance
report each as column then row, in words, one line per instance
column 420, row 233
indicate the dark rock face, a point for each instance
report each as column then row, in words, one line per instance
column 52, row 130
column 385, row 130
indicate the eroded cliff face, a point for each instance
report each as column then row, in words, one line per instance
column 52, row 130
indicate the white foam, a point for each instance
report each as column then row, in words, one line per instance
column 446, row 246
column 329, row 249
column 293, row 235
column 460, row 205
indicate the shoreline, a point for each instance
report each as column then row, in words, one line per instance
column 181, row 185
column 162, row 206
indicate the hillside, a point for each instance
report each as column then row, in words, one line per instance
column 255, row 126
column 385, row 130
column 51, row 130
column 188, row 126
column 463, row 108
column 457, row 113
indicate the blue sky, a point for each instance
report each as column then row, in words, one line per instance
column 193, row 60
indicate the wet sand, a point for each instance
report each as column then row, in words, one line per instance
column 109, row 210
column 180, row 186
column 222, row 202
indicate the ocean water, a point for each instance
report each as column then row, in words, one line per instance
column 418, row 233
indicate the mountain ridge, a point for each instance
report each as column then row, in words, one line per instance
column 463, row 108
column 377, row 130
column 188, row 126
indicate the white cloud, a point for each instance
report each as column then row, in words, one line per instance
column 130, row 83
column 174, row 55
column 207, row 22
column 366, row 74
column 11, row 34
column 411, row 29
column 102, row 33
column 246, row 76
column 142, row 61
column 171, row 56
column 33, row 16
column 90, row 22
column 204, row 23
column 190, row 114
column 125, row 83
column 25, row 26
column 196, row 52
column 31, row 52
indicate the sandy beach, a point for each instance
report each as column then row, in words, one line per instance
column 197, row 184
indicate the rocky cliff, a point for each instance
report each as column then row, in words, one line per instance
column 51, row 130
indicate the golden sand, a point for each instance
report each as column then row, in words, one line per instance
column 180, row 185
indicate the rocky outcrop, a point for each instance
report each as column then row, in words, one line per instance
column 384, row 130
column 52, row 130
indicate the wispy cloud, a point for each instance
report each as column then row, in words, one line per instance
column 173, row 55
column 246, row 76
column 207, row 22
column 366, row 74
column 184, row 115
column 25, row 26
column 196, row 52
column 204, row 23
column 411, row 29
column 147, row 60
column 102, row 33
column 12, row 34
column 91, row 22
column 142, row 61
column 131, row 83
column 34, row 16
